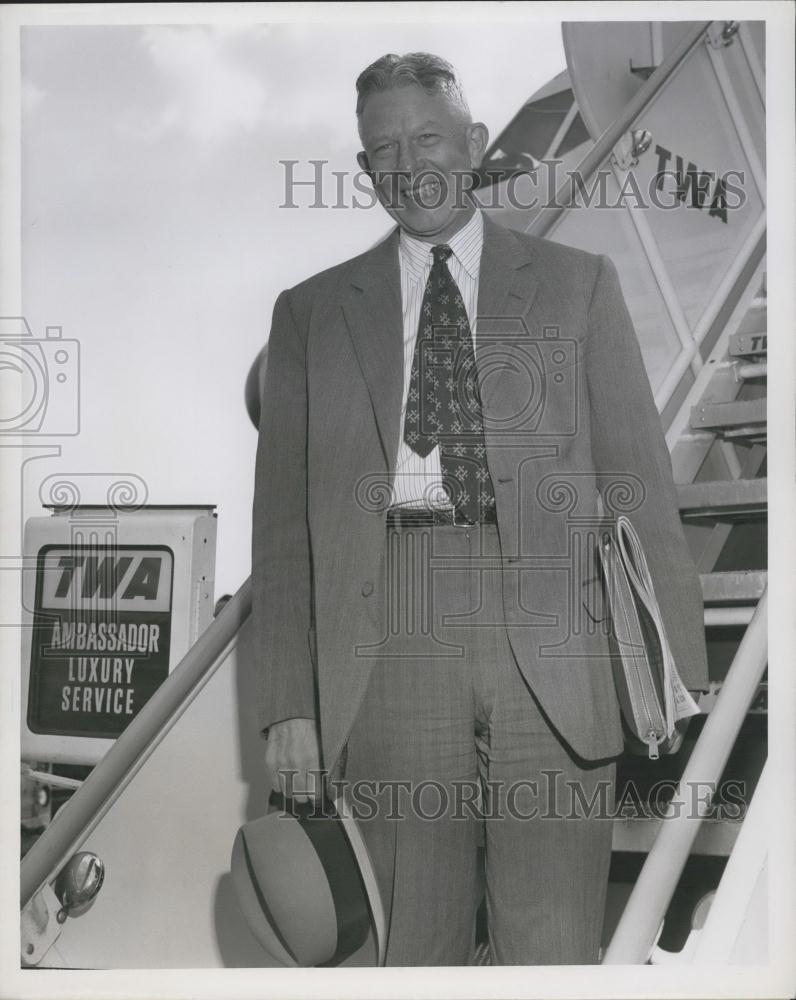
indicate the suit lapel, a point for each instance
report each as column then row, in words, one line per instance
column 507, row 287
column 372, row 308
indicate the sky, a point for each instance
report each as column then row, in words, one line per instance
column 152, row 230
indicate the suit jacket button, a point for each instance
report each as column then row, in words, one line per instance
column 367, row 588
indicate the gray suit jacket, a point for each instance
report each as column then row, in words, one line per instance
column 572, row 434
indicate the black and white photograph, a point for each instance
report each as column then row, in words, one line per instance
column 392, row 480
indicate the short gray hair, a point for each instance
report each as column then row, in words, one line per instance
column 433, row 73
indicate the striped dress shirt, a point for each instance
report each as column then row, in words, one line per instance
column 418, row 481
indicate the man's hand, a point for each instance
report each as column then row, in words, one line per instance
column 292, row 753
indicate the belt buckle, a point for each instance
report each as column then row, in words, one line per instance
column 458, row 522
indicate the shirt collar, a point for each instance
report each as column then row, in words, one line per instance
column 466, row 245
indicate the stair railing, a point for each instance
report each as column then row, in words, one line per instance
column 641, row 919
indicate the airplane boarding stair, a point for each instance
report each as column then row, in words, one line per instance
column 669, row 120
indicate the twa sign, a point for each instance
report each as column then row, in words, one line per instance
column 696, row 187
column 122, row 579
column 101, row 636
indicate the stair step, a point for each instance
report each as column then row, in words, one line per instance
column 707, row 699
column 744, row 585
column 745, row 344
column 715, row 836
column 742, row 417
column 751, row 369
column 642, row 72
column 722, row 499
column 728, row 616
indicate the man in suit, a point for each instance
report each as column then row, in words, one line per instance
column 447, row 420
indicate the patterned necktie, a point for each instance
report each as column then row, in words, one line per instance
column 444, row 404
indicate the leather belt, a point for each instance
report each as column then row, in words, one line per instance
column 428, row 517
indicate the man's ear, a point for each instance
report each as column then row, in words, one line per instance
column 362, row 160
column 477, row 141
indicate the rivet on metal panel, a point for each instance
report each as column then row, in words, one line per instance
column 39, row 925
column 720, row 34
column 631, row 146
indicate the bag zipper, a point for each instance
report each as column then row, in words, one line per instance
column 653, row 736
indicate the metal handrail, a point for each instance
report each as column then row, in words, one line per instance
column 75, row 821
column 565, row 195
column 729, row 910
column 638, row 926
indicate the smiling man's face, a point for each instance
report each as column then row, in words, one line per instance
column 420, row 151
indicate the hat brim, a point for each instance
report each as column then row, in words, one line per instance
column 306, row 886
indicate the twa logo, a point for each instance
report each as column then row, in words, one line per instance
column 697, row 188
column 119, row 578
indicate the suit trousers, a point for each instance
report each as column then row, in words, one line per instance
column 449, row 750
